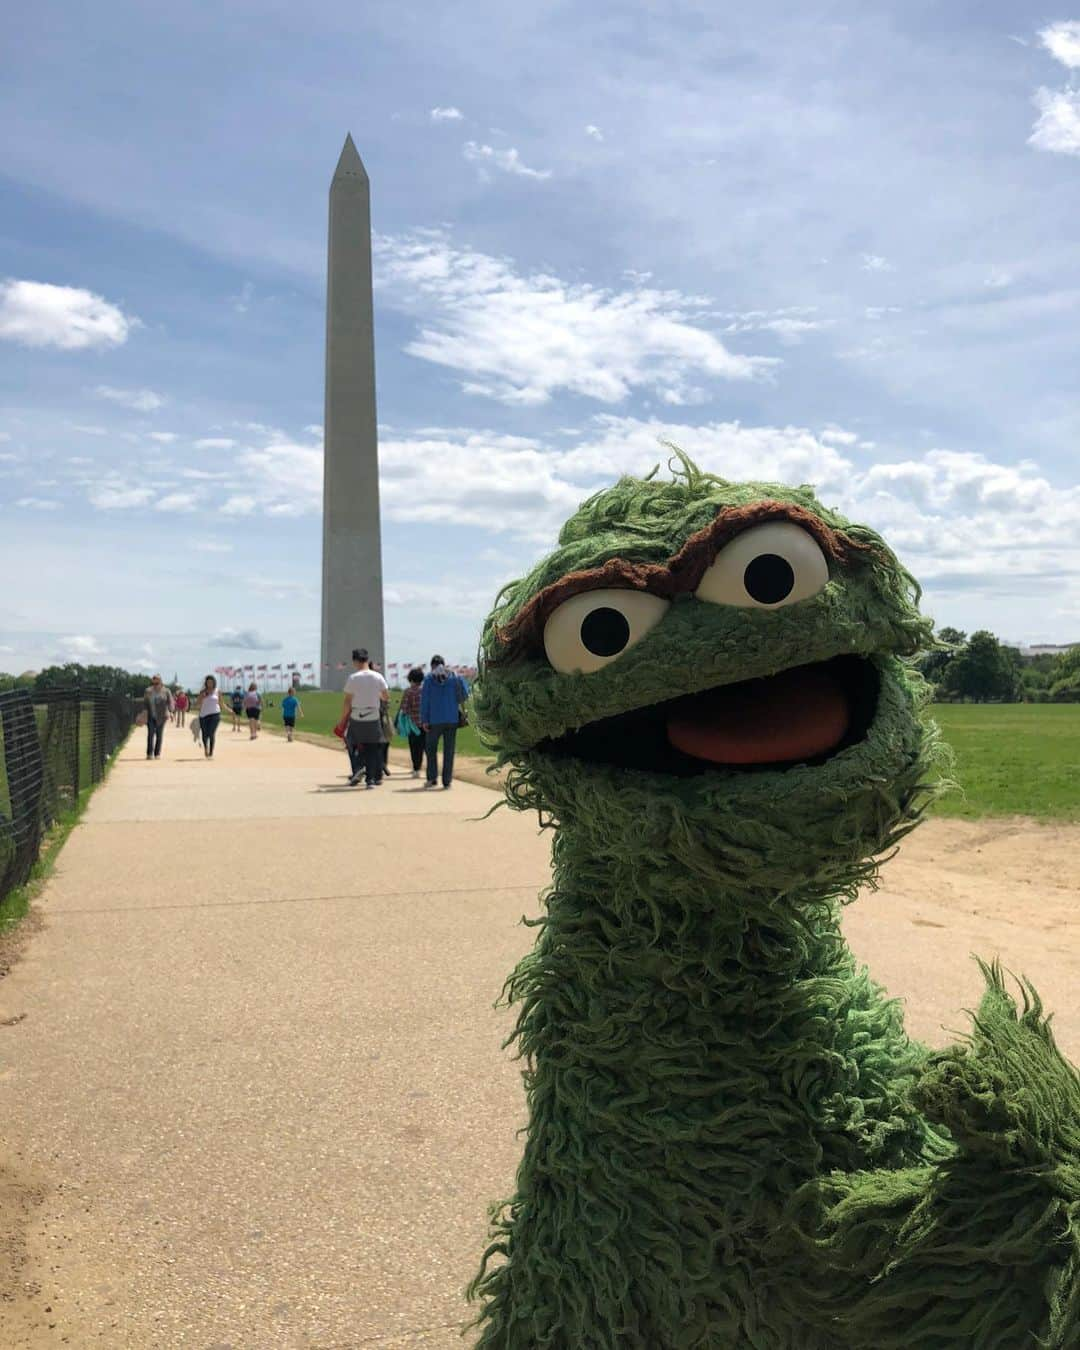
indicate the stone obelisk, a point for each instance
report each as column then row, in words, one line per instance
column 352, row 599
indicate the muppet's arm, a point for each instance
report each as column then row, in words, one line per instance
column 982, row 1249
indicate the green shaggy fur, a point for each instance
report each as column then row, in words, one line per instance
column 731, row 1140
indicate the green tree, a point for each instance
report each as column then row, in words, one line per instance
column 934, row 664
column 983, row 672
column 1065, row 677
column 101, row 677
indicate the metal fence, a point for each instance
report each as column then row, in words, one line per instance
column 55, row 744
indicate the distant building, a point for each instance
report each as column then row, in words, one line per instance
column 1048, row 648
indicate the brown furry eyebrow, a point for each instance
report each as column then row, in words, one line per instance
column 523, row 636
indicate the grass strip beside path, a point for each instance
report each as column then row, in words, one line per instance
column 14, row 906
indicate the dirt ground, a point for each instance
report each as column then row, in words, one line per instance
column 998, row 887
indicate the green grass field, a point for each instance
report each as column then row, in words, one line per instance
column 1011, row 759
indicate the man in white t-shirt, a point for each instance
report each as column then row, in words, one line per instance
column 365, row 692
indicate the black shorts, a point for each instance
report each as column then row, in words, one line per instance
column 289, row 721
column 237, row 708
column 253, row 713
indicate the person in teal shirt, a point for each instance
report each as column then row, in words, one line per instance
column 290, row 711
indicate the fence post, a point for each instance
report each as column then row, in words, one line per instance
column 76, row 783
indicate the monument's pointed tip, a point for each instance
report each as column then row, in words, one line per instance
column 349, row 164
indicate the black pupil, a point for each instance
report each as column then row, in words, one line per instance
column 605, row 632
column 769, row 579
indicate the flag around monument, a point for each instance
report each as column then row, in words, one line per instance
column 352, row 599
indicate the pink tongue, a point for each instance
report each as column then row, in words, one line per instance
column 795, row 715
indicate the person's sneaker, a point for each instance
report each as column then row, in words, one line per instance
column 369, row 786
column 447, row 787
column 416, row 773
column 430, row 785
column 356, row 779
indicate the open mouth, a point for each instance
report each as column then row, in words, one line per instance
column 804, row 715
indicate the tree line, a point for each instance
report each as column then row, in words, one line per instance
column 112, row 679
column 962, row 669
column 980, row 669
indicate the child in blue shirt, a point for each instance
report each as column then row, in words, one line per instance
column 290, row 711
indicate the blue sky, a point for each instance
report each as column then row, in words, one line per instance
column 833, row 243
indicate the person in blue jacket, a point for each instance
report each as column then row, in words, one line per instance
column 441, row 699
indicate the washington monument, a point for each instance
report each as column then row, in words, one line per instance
column 352, row 600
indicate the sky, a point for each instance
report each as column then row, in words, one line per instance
column 833, row 243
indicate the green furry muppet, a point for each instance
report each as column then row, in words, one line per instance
column 732, row 1143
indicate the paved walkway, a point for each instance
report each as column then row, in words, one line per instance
column 259, row 1074
column 255, row 1072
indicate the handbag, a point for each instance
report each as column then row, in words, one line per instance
column 342, row 727
column 141, row 718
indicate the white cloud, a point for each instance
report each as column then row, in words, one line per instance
column 838, row 436
column 177, row 502
column 38, row 504
column 594, row 133
column 959, row 519
column 446, row 114
column 520, row 338
column 88, row 430
column 285, row 478
column 141, row 400
column 244, row 639
column 38, row 314
column 215, row 443
column 6, row 457
column 418, row 596
column 163, row 437
column 997, row 278
column 874, row 262
column 240, row 504
column 116, row 497
column 81, row 646
column 1058, row 127
column 508, row 160
column 789, row 325
column 211, row 546
column 1062, row 41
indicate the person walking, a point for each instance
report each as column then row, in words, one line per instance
column 253, row 708
column 291, row 709
column 365, row 693
column 180, row 704
column 236, row 704
column 209, row 707
column 442, row 696
column 158, row 701
column 409, row 719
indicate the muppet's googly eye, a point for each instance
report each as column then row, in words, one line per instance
column 766, row 567
column 592, row 628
